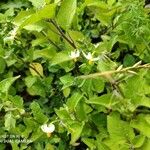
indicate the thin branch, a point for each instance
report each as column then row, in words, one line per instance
column 29, row 65
column 109, row 73
column 71, row 38
column 62, row 34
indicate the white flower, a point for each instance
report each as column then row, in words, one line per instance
column 90, row 57
column 48, row 128
column 74, row 54
column 11, row 34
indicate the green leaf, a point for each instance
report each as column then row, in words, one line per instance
column 22, row 16
column 142, row 124
column 98, row 85
column 136, row 89
column 10, row 122
column 60, row 58
column 107, row 100
column 76, row 35
column 6, row 83
column 82, row 109
column 66, row 13
column 105, row 17
column 36, row 134
column 63, row 114
column 32, row 18
column 37, row 89
column 37, row 3
column 49, row 146
column 36, row 69
column 95, row 3
column 120, row 131
column 17, row 101
column 102, row 146
column 38, row 26
column 90, row 143
column 67, row 81
column 111, row 2
column 66, row 92
column 15, row 146
column 2, row 65
column 75, row 130
column 106, row 65
column 101, row 10
column 37, row 113
column 128, row 60
column 100, row 121
column 86, row 86
column 146, row 145
column 29, row 122
column 141, row 101
column 30, row 126
column 47, row 53
column 73, row 101
column 38, row 41
column 30, row 80
column 138, row 141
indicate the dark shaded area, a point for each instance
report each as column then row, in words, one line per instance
column 8, row 146
column 82, row 146
column 3, row 1
column 147, row 2
column 96, row 40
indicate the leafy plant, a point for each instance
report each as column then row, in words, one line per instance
column 74, row 74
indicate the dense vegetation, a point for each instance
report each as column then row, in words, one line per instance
column 74, row 75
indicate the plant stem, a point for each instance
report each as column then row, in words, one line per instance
column 109, row 73
column 62, row 34
column 28, row 65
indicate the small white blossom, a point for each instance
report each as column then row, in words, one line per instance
column 90, row 57
column 147, row 6
column 11, row 34
column 74, row 54
column 48, row 128
column 10, row 38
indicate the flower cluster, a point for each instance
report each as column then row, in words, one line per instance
column 89, row 56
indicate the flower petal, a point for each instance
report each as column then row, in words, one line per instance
column 74, row 54
column 87, row 56
column 51, row 127
column 96, row 59
column 44, row 127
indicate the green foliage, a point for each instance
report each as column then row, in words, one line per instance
column 37, row 113
column 66, row 13
column 80, row 65
column 6, row 83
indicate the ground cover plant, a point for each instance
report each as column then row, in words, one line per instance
column 74, row 75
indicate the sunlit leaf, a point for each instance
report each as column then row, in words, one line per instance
column 66, row 13
column 37, row 113
column 6, row 83
column 36, row 69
